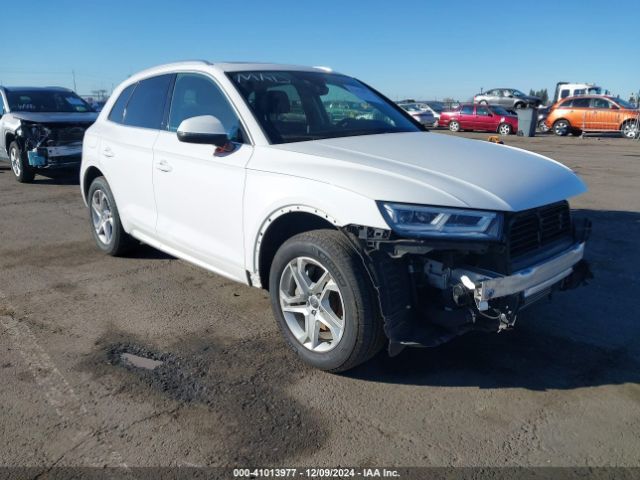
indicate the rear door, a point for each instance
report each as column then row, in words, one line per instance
column 126, row 151
column 580, row 114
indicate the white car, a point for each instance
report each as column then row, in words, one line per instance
column 364, row 228
column 419, row 113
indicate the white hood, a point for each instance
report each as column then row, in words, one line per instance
column 427, row 168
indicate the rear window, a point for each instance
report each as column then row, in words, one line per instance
column 566, row 104
column 581, row 102
column 146, row 106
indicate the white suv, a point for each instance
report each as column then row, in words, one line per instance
column 364, row 228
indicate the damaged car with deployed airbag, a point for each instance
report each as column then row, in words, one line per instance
column 42, row 129
column 366, row 229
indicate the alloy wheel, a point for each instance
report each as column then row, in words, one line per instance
column 312, row 304
column 631, row 130
column 16, row 162
column 101, row 216
column 504, row 129
column 454, row 126
column 561, row 128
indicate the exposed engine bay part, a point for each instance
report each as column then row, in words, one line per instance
column 432, row 291
column 52, row 144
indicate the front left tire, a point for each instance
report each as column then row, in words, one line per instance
column 22, row 171
column 324, row 302
column 107, row 230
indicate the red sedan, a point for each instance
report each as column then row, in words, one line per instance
column 489, row 118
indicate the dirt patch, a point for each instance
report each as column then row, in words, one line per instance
column 243, row 385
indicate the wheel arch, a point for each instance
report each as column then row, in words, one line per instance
column 89, row 176
column 281, row 225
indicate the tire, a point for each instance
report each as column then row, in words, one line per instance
column 542, row 127
column 504, row 129
column 519, row 105
column 348, row 298
column 454, row 126
column 561, row 127
column 630, row 129
column 104, row 217
column 22, row 171
column 483, row 102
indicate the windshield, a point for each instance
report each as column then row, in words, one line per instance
column 499, row 110
column 46, row 101
column 298, row 106
column 624, row 103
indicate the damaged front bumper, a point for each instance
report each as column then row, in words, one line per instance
column 55, row 157
column 431, row 292
column 528, row 282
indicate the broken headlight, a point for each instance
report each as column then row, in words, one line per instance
column 423, row 221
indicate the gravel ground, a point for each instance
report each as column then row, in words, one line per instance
column 561, row 389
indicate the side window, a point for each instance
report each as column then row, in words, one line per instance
column 117, row 112
column 146, row 106
column 467, row 110
column 195, row 95
column 600, row 103
column 482, row 111
column 581, row 103
column 566, row 104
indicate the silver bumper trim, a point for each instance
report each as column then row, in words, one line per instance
column 530, row 280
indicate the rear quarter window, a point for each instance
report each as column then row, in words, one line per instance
column 117, row 112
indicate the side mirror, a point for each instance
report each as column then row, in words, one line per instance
column 205, row 129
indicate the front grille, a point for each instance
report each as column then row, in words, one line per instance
column 67, row 134
column 533, row 230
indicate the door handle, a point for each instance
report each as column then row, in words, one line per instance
column 107, row 152
column 163, row 166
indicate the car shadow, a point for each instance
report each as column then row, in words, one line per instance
column 147, row 252
column 583, row 338
column 58, row 177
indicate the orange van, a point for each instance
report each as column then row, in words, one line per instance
column 593, row 113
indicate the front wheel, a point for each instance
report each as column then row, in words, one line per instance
column 23, row 172
column 561, row 128
column 454, row 126
column 324, row 302
column 106, row 227
column 504, row 129
column 631, row 129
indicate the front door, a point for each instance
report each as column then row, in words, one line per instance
column 199, row 191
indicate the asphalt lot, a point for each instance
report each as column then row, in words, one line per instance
column 563, row 388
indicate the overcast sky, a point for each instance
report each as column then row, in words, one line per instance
column 407, row 49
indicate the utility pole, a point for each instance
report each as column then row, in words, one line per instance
column 73, row 73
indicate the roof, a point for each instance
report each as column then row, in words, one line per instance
column 225, row 67
column 31, row 89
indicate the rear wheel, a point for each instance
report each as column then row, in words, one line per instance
column 106, row 227
column 454, row 126
column 520, row 105
column 23, row 172
column 630, row 129
column 483, row 102
column 504, row 129
column 324, row 302
column 561, row 127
